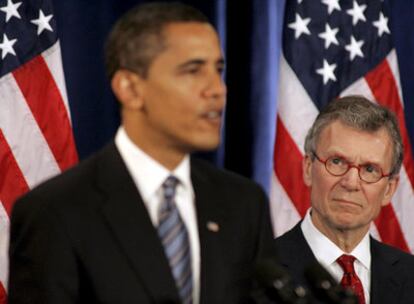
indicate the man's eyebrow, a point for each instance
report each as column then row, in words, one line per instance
column 198, row 62
column 193, row 62
column 367, row 162
column 371, row 162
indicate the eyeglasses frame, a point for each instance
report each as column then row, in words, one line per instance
column 350, row 165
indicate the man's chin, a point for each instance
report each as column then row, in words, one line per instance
column 206, row 145
column 347, row 225
column 202, row 150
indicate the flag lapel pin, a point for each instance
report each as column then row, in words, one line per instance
column 213, row 226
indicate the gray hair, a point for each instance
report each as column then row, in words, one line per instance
column 360, row 113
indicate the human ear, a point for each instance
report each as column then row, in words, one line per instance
column 392, row 185
column 126, row 86
column 307, row 170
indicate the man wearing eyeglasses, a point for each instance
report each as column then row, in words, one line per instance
column 353, row 157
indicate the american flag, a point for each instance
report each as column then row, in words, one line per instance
column 36, row 139
column 333, row 48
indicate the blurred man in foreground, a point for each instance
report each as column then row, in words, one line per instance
column 353, row 157
column 141, row 221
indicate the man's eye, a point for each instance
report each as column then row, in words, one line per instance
column 369, row 168
column 193, row 71
column 337, row 161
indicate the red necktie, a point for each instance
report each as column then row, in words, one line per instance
column 350, row 278
column 3, row 296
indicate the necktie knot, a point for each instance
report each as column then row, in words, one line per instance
column 347, row 263
column 169, row 186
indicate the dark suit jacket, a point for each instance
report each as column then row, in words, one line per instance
column 392, row 271
column 86, row 237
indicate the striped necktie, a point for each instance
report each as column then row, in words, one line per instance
column 350, row 278
column 174, row 237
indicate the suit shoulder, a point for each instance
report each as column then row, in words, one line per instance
column 69, row 186
column 292, row 235
column 68, row 180
column 386, row 251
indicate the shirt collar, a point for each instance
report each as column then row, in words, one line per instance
column 147, row 173
column 362, row 252
column 326, row 251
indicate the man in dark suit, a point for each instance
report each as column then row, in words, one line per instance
column 353, row 157
column 141, row 221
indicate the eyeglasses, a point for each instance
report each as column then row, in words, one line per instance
column 339, row 166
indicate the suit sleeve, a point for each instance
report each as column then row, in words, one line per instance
column 43, row 266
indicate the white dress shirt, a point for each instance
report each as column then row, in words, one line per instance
column 326, row 252
column 149, row 175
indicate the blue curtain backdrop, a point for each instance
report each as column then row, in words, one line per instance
column 251, row 34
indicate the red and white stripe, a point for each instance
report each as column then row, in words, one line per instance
column 296, row 113
column 36, row 139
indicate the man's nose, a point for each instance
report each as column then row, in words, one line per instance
column 216, row 88
column 351, row 180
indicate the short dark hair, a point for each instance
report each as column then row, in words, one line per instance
column 137, row 37
column 360, row 113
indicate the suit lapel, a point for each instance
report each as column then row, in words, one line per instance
column 211, row 218
column 128, row 219
column 385, row 282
